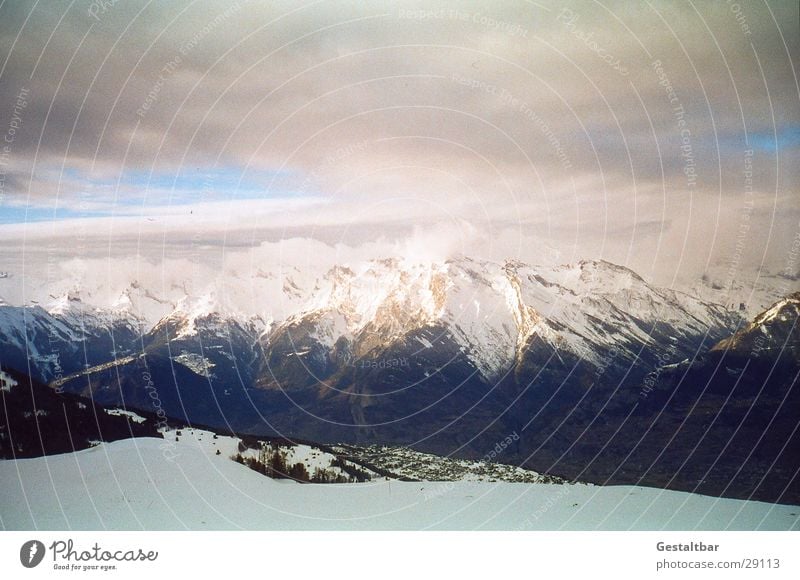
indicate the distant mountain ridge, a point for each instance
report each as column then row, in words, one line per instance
column 491, row 309
column 446, row 357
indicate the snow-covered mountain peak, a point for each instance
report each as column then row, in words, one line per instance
column 75, row 308
column 69, row 302
column 381, row 294
column 782, row 310
column 124, row 302
column 142, row 305
column 493, row 311
column 189, row 312
column 595, row 278
column 774, row 329
column 212, row 311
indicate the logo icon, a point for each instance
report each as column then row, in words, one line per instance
column 31, row 553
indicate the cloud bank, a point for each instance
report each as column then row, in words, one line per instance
column 660, row 135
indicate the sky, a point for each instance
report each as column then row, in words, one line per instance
column 663, row 136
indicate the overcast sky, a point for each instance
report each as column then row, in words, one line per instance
column 533, row 130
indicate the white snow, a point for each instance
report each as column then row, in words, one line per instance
column 155, row 485
column 772, row 313
column 72, row 309
column 207, row 443
column 330, row 328
column 190, row 310
column 312, row 458
column 123, row 413
column 6, row 382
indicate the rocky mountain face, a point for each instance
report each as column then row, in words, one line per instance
column 724, row 422
column 196, row 365
column 491, row 313
column 416, row 354
column 66, row 337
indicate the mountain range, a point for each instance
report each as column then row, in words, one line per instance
column 590, row 372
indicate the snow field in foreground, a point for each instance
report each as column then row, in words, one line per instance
column 132, row 484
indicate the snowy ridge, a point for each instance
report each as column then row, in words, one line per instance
column 492, row 311
column 574, row 298
column 71, row 309
column 123, row 413
column 389, row 294
column 776, row 327
column 782, row 310
column 209, row 313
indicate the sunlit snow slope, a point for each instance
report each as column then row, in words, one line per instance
column 131, row 485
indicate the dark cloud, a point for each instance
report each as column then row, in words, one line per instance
column 515, row 112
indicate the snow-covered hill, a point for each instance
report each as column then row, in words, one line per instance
column 135, row 484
